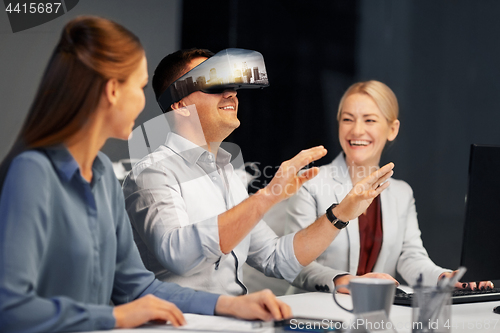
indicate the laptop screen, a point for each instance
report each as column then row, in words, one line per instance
column 481, row 241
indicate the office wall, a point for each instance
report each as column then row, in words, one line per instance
column 442, row 60
column 310, row 53
column 24, row 55
column 440, row 57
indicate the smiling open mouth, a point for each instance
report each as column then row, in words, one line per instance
column 230, row 107
column 359, row 143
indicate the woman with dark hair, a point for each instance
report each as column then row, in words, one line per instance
column 66, row 247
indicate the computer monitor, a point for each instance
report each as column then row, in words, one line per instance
column 481, row 241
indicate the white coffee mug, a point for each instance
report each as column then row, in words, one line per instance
column 369, row 295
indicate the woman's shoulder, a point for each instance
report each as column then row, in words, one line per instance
column 31, row 168
column 400, row 183
column 34, row 158
column 399, row 187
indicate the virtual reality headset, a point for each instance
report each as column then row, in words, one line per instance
column 228, row 69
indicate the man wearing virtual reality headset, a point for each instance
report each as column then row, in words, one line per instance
column 193, row 221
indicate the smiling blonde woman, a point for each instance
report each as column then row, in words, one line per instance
column 386, row 237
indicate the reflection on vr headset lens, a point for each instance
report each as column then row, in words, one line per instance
column 230, row 69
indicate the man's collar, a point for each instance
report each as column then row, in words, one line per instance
column 66, row 166
column 191, row 152
column 223, row 157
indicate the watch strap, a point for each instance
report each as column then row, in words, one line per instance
column 339, row 224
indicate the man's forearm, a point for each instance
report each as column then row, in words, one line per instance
column 236, row 223
column 310, row 242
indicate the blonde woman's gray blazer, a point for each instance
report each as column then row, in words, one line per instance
column 402, row 247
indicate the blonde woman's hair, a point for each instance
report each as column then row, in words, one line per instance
column 381, row 94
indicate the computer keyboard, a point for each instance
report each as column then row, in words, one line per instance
column 458, row 296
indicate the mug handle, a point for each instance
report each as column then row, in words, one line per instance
column 335, row 299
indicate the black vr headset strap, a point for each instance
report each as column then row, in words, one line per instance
column 165, row 101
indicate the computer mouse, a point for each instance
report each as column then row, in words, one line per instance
column 497, row 309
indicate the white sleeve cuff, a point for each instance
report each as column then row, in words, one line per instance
column 208, row 233
column 289, row 266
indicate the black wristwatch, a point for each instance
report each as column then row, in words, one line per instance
column 333, row 219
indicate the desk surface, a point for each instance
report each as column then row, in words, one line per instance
column 471, row 318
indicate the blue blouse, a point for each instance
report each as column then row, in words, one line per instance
column 66, row 248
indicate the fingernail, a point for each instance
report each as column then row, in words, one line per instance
column 464, row 285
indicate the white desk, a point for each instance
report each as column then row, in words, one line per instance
column 470, row 318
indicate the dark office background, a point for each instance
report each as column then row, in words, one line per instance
column 441, row 58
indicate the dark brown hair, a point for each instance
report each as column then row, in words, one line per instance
column 173, row 66
column 91, row 51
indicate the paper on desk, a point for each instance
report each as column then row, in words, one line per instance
column 199, row 323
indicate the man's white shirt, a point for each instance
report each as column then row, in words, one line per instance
column 173, row 198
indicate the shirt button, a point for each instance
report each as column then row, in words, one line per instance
column 210, row 157
column 214, row 178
